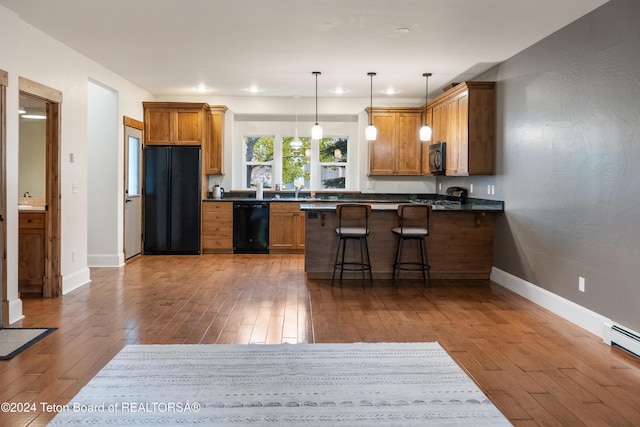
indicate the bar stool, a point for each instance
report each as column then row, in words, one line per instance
column 353, row 224
column 414, row 225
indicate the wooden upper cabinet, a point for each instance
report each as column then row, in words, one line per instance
column 171, row 123
column 214, row 147
column 397, row 148
column 464, row 118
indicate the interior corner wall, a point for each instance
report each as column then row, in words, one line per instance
column 568, row 161
column 104, row 248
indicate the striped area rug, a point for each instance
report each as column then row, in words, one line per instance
column 382, row 384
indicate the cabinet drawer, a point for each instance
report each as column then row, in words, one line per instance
column 284, row 207
column 217, row 207
column 217, row 216
column 218, row 243
column 217, row 228
column 31, row 220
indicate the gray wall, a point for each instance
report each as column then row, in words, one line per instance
column 569, row 162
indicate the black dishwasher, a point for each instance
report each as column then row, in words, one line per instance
column 251, row 227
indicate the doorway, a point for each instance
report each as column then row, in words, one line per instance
column 132, row 188
column 51, row 100
column 4, row 77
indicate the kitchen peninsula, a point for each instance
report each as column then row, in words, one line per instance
column 460, row 242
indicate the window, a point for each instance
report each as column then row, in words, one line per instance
column 333, row 163
column 314, row 165
column 258, row 157
column 296, row 164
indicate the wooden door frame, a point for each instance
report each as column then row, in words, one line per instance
column 53, row 98
column 138, row 125
column 4, row 309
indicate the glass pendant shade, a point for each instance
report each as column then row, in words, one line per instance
column 425, row 133
column 371, row 133
column 316, row 131
column 296, row 144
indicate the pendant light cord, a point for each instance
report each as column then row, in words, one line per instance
column 316, row 74
column 371, row 98
column 426, row 94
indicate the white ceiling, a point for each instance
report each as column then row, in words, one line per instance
column 169, row 47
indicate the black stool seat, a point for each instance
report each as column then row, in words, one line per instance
column 353, row 224
column 414, row 225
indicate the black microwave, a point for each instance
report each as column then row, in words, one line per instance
column 437, row 158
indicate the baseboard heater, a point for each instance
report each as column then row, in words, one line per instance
column 624, row 338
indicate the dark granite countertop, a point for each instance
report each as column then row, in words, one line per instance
column 325, row 201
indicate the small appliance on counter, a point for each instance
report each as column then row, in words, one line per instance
column 437, row 158
column 218, row 192
column 457, row 194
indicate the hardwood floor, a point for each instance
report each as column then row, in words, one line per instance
column 536, row 367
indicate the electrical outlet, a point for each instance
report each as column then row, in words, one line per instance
column 493, row 189
column 439, row 186
column 488, row 188
column 581, row 284
column 371, row 185
column 471, row 188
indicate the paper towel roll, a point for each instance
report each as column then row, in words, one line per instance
column 259, row 191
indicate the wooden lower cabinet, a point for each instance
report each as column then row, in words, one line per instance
column 286, row 228
column 217, row 227
column 31, row 252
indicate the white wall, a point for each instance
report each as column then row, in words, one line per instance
column 29, row 53
column 104, row 247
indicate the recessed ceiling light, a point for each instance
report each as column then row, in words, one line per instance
column 254, row 89
column 202, row 88
column 339, row 90
column 402, row 30
column 390, row 91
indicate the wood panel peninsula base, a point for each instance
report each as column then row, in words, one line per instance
column 460, row 244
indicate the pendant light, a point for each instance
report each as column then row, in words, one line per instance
column 296, row 144
column 316, row 130
column 425, row 130
column 371, row 133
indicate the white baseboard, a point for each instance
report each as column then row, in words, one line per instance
column 15, row 310
column 105, row 260
column 75, row 280
column 583, row 317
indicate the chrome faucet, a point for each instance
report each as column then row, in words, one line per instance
column 26, row 194
column 297, row 190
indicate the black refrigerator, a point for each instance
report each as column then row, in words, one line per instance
column 172, row 200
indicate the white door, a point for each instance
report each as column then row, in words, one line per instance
column 133, row 192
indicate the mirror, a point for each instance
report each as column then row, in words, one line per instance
column 32, row 159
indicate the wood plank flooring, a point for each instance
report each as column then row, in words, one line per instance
column 536, row 367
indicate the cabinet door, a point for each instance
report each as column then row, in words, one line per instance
column 189, row 129
column 300, row 233
column 214, row 144
column 451, row 133
column 382, row 151
column 282, row 231
column 463, row 135
column 31, row 260
column 157, row 126
column 408, row 147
